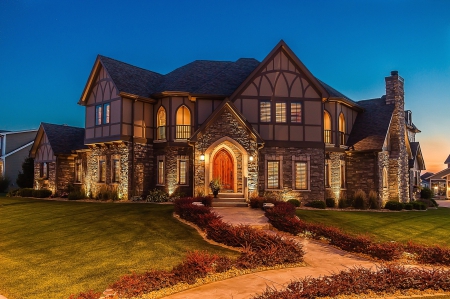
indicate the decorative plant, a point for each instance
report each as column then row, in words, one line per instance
column 215, row 185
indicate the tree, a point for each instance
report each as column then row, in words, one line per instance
column 4, row 183
column 26, row 177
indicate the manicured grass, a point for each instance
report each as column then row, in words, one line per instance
column 50, row 249
column 429, row 227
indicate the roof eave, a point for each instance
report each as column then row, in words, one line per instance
column 136, row 97
column 347, row 103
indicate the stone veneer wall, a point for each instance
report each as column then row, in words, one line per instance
column 226, row 125
column 383, row 193
column 317, row 184
column 65, row 173
column 50, row 182
column 362, row 172
column 335, row 190
column 171, row 155
column 140, row 179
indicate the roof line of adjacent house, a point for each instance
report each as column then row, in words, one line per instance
column 18, row 149
column 17, row 132
column 439, row 173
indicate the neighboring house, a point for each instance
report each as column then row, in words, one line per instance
column 14, row 149
column 55, row 160
column 425, row 182
column 259, row 127
column 440, row 181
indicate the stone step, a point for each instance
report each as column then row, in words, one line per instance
column 221, row 199
column 231, row 195
column 229, row 204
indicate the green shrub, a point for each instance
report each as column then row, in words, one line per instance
column 359, row 200
column 294, row 202
column 157, row 195
column 25, row 192
column 12, row 193
column 317, row 204
column 373, row 200
column 394, row 205
column 330, row 203
column 408, row 206
column 342, row 203
column 107, row 192
column 428, row 202
column 426, row 193
column 417, row 205
column 4, row 183
column 76, row 194
column 44, row 193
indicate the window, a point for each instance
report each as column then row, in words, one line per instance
column 301, row 175
column 264, row 111
column 280, row 112
column 160, row 174
column 78, row 171
column 43, row 171
column 327, row 173
column 115, row 171
column 106, row 113
column 183, row 170
column 327, row 127
column 98, row 115
column 161, row 124
column 183, row 127
column 273, row 174
column 341, row 129
column 342, row 174
column 101, row 171
column 296, row 113
column 385, row 178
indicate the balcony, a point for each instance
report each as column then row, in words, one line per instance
column 327, row 136
column 341, row 138
column 161, row 133
column 182, row 132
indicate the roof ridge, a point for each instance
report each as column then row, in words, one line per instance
column 129, row 64
column 222, row 70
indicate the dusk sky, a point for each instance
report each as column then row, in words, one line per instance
column 48, row 48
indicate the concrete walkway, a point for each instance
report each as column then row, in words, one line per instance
column 320, row 258
column 443, row 203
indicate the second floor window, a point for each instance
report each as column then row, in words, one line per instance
column 183, row 128
column 161, row 124
column 342, row 129
column 264, row 108
column 296, row 112
column 103, row 114
column 327, row 127
column 107, row 113
column 280, row 112
column 98, row 115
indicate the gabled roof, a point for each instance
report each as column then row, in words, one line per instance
column 371, row 126
column 63, row 139
column 440, row 175
column 448, row 160
column 426, row 175
column 338, row 95
column 226, row 105
column 209, row 77
column 416, row 156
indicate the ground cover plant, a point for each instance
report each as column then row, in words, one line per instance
column 51, row 249
column 387, row 278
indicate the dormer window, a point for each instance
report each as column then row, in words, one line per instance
column 102, row 114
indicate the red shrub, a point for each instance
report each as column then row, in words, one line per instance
column 430, row 254
column 86, row 295
column 197, row 264
column 138, row 284
column 388, row 251
column 256, row 202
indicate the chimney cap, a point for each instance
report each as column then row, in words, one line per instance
column 394, row 73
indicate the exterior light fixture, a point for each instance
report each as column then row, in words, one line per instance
column 251, row 158
column 202, row 157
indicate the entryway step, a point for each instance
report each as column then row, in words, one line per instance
column 229, row 203
column 231, row 195
column 221, row 199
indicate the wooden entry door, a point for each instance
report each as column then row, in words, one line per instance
column 223, row 169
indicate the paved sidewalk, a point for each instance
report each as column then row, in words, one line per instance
column 443, row 203
column 320, row 258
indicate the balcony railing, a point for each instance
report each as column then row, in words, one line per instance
column 341, row 138
column 327, row 136
column 183, row 132
column 161, row 133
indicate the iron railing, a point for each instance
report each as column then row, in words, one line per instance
column 327, row 136
column 183, row 132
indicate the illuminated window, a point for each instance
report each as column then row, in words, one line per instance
column 296, row 112
column 327, row 127
column 161, row 123
column 183, row 126
column 327, row 173
column 78, row 171
column 160, row 172
column 182, row 175
column 301, row 175
column 102, row 171
column 273, row 174
column 264, row 111
column 115, row 171
column 342, row 129
column 280, row 112
column 98, row 115
column 342, row 174
column 385, row 178
column 43, row 171
column 107, row 113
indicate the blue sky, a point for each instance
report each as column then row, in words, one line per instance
column 48, row 47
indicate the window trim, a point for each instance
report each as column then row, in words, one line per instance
column 115, row 177
column 342, row 174
column 160, row 174
column 101, row 170
column 98, row 115
column 302, row 159
column 44, row 170
column 184, row 159
column 267, row 116
column 78, row 171
column 280, row 116
column 106, row 113
column 278, row 159
column 301, row 113
column 327, row 173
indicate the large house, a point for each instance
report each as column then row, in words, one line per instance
column 440, row 182
column 258, row 127
column 14, row 149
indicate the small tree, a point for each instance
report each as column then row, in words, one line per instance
column 26, row 177
column 4, row 183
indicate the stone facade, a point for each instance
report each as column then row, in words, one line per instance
column 363, row 172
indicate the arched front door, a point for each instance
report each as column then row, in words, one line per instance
column 223, row 169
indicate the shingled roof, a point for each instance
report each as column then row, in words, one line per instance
column 131, row 79
column 64, row 139
column 448, row 160
column 371, row 126
column 336, row 94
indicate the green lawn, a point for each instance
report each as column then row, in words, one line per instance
column 424, row 227
column 51, row 249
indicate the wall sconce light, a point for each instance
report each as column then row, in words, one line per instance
column 251, row 158
column 202, row 157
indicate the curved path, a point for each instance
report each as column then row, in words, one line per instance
column 321, row 259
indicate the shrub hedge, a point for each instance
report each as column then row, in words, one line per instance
column 330, row 203
column 394, row 205
column 317, row 204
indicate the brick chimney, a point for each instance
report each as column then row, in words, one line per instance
column 394, row 90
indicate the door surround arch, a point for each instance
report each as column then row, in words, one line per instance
column 217, row 146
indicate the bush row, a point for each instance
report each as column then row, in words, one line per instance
column 282, row 217
column 398, row 206
column 30, row 192
column 385, row 279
